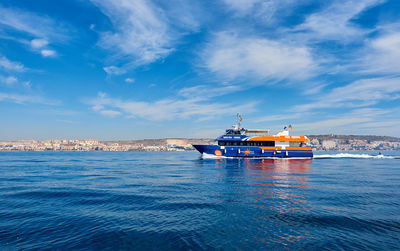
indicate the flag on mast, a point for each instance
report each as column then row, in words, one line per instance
column 239, row 117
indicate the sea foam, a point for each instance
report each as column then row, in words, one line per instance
column 351, row 155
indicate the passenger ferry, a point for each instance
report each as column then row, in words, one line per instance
column 244, row 143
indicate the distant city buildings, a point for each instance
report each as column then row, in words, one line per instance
column 319, row 143
column 348, row 144
column 328, row 144
column 164, row 145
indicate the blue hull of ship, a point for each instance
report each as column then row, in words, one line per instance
column 251, row 152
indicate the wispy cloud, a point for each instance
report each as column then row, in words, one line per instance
column 114, row 70
column 10, row 80
column 335, row 21
column 30, row 23
column 25, row 98
column 358, row 121
column 382, row 54
column 293, row 55
column 204, row 92
column 110, row 113
column 67, row 121
column 9, row 65
column 33, row 30
column 266, row 11
column 164, row 109
column 314, row 89
column 143, row 32
column 364, row 92
column 280, row 117
column 232, row 56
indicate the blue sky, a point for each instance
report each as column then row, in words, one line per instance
column 120, row 69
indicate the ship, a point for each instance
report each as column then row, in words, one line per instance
column 244, row 143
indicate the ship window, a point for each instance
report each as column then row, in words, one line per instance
column 295, row 143
column 232, row 132
column 268, row 143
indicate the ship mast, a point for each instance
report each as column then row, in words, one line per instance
column 238, row 118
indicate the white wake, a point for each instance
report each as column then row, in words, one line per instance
column 351, row 155
column 212, row 156
column 316, row 156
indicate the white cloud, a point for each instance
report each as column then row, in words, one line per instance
column 39, row 43
column 363, row 92
column 233, row 57
column 30, row 23
column 48, row 53
column 334, row 22
column 8, row 65
column 11, row 80
column 165, row 109
column 358, row 121
column 33, row 24
column 31, row 29
column 114, row 70
column 204, row 92
column 383, row 54
column 25, row 98
column 266, row 11
column 110, row 113
column 141, row 29
column 330, row 125
column 314, row 89
column 381, row 124
column 129, row 80
column 144, row 32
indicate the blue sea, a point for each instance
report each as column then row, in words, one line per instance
column 180, row 201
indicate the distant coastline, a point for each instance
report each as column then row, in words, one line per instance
column 318, row 142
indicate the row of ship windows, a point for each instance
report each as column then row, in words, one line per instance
column 246, row 143
column 233, row 133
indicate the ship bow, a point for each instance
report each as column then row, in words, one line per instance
column 200, row 148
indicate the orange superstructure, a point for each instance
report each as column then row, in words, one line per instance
column 279, row 138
